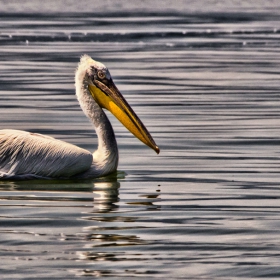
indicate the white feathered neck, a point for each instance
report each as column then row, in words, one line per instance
column 105, row 158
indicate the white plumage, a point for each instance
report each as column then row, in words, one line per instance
column 25, row 155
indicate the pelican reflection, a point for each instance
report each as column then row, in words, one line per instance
column 105, row 195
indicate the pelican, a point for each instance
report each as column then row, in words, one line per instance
column 25, row 155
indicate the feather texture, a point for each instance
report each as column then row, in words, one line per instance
column 24, row 154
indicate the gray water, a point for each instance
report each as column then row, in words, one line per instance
column 204, row 78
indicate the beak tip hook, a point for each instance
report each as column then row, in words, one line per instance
column 157, row 149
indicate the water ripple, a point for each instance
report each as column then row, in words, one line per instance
column 205, row 81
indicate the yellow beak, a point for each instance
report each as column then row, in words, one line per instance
column 109, row 97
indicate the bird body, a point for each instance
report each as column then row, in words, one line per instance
column 40, row 155
column 25, row 155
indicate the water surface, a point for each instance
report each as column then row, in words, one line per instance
column 204, row 79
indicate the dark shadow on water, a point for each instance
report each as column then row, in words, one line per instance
column 53, row 185
column 102, row 192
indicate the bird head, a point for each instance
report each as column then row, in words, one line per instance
column 106, row 94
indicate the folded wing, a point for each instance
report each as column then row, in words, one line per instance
column 24, row 154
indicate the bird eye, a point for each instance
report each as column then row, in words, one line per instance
column 101, row 75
